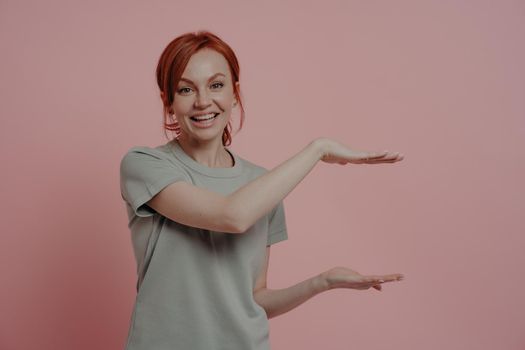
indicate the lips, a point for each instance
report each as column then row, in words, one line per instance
column 204, row 117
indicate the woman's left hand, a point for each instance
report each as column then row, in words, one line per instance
column 342, row 277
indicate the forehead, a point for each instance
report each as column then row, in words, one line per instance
column 205, row 63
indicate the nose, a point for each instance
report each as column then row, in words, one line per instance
column 202, row 101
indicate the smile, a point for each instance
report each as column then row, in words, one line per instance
column 204, row 121
column 205, row 117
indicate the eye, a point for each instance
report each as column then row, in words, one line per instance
column 182, row 90
column 218, row 83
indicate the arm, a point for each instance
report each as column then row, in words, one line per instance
column 278, row 301
column 255, row 199
column 235, row 213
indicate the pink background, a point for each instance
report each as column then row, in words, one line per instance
column 441, row 81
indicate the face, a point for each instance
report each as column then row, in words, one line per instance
column 204, row 91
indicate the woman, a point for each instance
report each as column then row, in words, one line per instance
column 203, row 219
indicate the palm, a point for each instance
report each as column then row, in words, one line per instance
column 335, row 152
column 342, row 277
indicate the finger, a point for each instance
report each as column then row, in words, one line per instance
column 373, row 155
column 397, row 276
column 393, row 277
column 370, row 155
column 374, row 279
column 383, row 160
column 388, row 156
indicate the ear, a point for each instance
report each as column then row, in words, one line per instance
column 164, row 97
column 237, row 88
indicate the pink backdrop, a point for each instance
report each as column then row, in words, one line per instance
column 441, row 81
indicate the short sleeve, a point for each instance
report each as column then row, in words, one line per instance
column 277, row 225
column 144, row 172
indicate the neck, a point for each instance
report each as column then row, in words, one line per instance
column 208, row 153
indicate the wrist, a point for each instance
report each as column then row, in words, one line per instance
column 320, row 283
column 318, row 147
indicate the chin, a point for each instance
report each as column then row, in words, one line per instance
column 204, row 135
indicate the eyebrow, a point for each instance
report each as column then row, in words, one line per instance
column 213, row 76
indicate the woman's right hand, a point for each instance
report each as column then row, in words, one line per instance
column 335, row 152
column 343, row 277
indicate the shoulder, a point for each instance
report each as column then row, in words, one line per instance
column 161, row 152
column 137, row 157
column 252, row 167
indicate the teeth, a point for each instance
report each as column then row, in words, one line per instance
column 204, row 117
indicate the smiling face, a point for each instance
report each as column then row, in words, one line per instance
column 204, row 91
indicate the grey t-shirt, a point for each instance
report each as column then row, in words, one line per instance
column 194, row 286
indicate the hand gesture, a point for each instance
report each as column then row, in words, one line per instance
column 342, row 277
column 335, row 152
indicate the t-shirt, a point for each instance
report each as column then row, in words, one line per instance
column 194, row 286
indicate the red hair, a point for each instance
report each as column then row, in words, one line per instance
column 172, row 63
